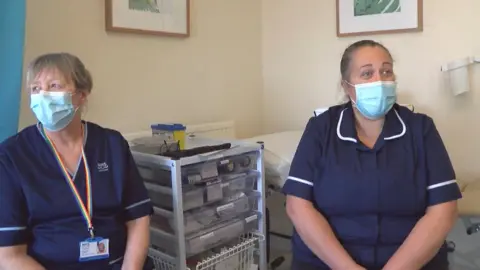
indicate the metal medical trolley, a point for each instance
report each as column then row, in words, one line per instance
column 209, row 208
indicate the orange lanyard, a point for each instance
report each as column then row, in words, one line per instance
column 86, row 210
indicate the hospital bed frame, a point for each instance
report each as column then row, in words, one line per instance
column 275, row 262
column 471, row 227
column 470, row 191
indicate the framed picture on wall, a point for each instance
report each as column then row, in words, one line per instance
column 150, row 17
column 368, row 17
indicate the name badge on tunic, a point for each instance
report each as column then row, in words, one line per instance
column 94, row 249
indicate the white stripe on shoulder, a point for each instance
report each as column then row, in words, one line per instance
column 449, row 182
column 11, row 229
column 303, row 181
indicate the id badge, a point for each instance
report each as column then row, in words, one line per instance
column 94, row 249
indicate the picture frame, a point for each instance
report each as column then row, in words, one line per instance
column 372, row 17
column 148, row 17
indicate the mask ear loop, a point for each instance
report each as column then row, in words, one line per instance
column 82, row 108
column 352, row 85
column 345, row 81
column 79, row 107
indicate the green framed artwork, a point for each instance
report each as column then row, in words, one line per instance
column 150, row 17
column 369, row 17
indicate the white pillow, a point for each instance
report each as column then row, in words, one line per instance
column 410, row 106
column 319, row 111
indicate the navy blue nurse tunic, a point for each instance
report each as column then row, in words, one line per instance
column 39, row 210
column 372, row 198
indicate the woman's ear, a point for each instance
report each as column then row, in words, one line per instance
column 80, row 99
column 83, row 96
column 350, row 91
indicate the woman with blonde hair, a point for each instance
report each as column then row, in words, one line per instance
column 68, row 186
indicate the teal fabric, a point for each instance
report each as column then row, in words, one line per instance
column 12, row 39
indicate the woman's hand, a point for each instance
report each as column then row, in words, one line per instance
column 353, row 267
column 317, row 234
column 358, row 267
column 421, row 244
column 15, row 257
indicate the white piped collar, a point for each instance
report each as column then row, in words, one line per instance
column 394, row 126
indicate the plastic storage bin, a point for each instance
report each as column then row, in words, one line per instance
column 193, row 196
column 207, row 216
column 235, row 183
column 206, row 239
column 237, row 164
column 192, row 174
column 196, row 173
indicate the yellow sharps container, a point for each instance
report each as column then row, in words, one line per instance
column 174, row 131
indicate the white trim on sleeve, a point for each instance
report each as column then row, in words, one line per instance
column 115, row 261
column 137, row 204
column 300, row 180
column 449, row 182
column 11, row 229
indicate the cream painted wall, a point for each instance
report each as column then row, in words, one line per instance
column 301, row 57
column 214, row 75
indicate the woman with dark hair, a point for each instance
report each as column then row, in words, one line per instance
column 371, row 184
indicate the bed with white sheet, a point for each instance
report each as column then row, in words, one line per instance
column 278, row 154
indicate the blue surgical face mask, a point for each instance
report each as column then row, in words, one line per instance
column 375, row 99
column 53, row 109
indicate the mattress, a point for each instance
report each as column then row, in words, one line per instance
column 279, row 151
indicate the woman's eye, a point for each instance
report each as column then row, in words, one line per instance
column 366, row 74
column 56, row 86
column 388, row 73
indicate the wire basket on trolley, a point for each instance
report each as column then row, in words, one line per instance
column 238, row 256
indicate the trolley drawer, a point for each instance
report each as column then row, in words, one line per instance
column 238, row 164
column 207, row 239
column 208, row 216
column 196, row 173
column 240, row 182
column 193, row 196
